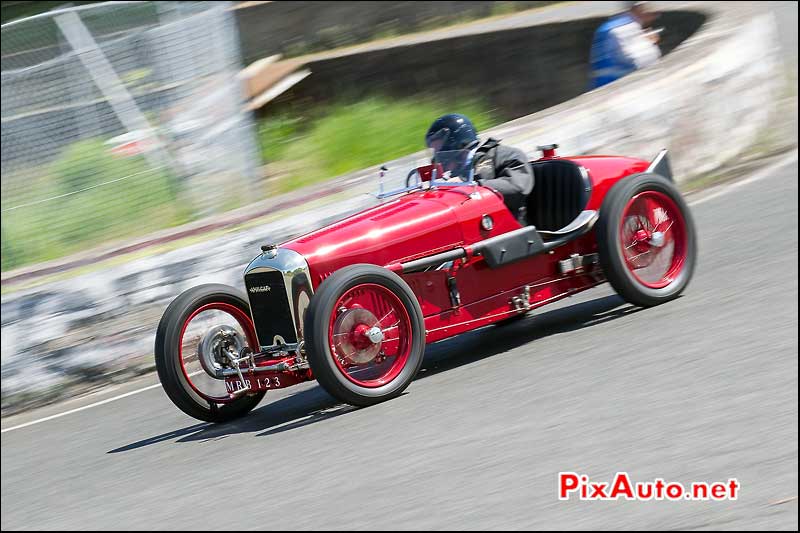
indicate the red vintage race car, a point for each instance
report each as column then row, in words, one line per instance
column 353, row 305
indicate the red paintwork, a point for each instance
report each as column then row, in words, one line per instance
column 429, row 172
column 605, row 171
column 423, row 223
column 417, row 225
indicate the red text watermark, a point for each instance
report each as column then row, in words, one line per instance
column 580, row 486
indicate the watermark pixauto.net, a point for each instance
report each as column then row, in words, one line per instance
column 572, row 485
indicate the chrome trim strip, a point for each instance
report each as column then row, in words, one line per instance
column 228, row 372
column 587, row 182
column 586, row 218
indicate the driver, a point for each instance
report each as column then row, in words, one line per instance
column 507, row 170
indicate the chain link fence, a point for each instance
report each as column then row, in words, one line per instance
column 119, row 119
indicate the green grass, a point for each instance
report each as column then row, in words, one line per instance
column 352, row 136
column 276, row 134
column 82, row 209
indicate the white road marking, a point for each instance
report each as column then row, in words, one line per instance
column 724, row 189
column 65, row 413
column 95, row 404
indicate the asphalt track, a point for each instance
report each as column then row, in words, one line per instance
column 701, row 389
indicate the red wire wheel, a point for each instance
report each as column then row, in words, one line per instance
column 653, row 239
column 195, row 332
column 206, row 333
column 370, row 335
column 365, row 336
column 646, row 239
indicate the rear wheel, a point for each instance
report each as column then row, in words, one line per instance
column 196, row 331
column 647, row 240
column 365, row 336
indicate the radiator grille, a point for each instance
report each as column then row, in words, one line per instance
column 270, row 306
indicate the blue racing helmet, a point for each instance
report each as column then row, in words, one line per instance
column 451, row 132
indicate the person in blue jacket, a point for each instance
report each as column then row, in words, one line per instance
column 624, row 44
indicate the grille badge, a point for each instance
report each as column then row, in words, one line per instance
column 263, row 288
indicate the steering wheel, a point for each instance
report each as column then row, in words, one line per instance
column 409, row 181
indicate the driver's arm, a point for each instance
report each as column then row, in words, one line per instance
column 513, row 173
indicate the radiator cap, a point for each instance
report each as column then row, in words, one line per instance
column 548, row 150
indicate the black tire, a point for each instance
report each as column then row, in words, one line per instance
column 318, row 348
column 608, row 241
column 168, row 362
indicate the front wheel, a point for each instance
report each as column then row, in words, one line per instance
column 198, row 328
column 647, row 240
column 365, row 335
